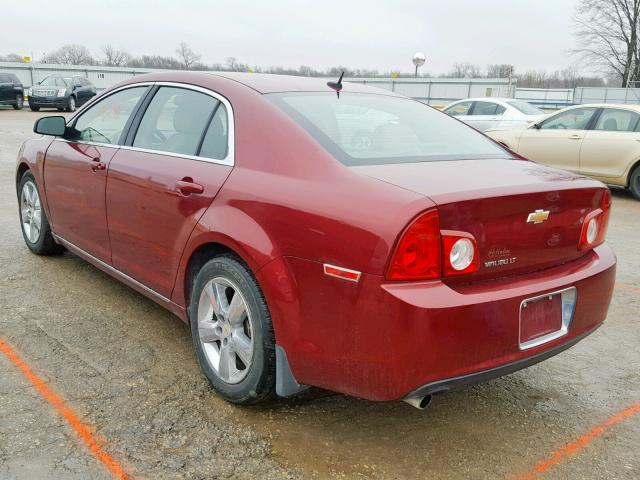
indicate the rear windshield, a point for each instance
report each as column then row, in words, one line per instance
column 525, row 107
column 368, row 129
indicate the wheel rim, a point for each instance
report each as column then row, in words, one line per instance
column 72, row 104
column 19, row 102
column 31, row 211
column 225, row 330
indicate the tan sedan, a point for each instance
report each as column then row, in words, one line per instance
column 598, row 140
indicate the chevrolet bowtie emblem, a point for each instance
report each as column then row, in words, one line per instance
column 538, row 216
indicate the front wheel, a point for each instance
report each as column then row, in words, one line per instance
column 19, row 103
column 634, row 182
column 232, row 331
column 71, row 105
column 34, row 108
column 33, row 220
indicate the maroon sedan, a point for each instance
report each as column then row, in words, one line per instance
column 353, row 240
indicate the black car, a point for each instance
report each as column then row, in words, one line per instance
column 11, row 90
column 61, row 92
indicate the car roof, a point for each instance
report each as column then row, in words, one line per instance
column 635, row 108
column 486, row 99
column 273, row 83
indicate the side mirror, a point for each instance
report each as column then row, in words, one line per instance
column 55, row 126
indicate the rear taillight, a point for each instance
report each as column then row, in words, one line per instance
column 417, row 255
column 595, row 223
column 460, row 253
column 424, row 252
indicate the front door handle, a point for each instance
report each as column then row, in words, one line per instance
column 575, row 137
column 96, row 165
column 187, row 186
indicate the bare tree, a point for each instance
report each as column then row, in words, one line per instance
column 464, row 70
column 500, row 70
column 114, row 57
column 72, row 54
column 607, row 31
column 187, row 57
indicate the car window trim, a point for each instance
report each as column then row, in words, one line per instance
column 229, row 160
column 206, row 127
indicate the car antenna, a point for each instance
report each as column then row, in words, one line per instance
column 337, row 86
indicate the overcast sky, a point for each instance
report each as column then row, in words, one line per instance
column 361, row 34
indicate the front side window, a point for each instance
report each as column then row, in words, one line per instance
column 175, row 121
column 458, row 109
column 104, row 122
column 616, row 120
column 574, row 119
column 367, row 129
column 485, row 108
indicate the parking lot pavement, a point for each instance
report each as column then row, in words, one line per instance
column 126, row 367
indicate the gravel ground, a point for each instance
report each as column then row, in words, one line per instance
column 127, row 368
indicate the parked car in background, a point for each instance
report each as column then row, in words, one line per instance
column 598, row 140
column 11, row 90
column 485, row 113
column 61, row 92
column 394, row 257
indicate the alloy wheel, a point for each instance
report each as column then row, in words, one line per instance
column 31, row 211
column 225, row 330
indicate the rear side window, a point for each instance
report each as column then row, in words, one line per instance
column 485, row 108
column 104, row 122
column 175, row 121
column 616, row 120
column 216, row 140
column 15, row 79
column 458, row 109
column 367, row 129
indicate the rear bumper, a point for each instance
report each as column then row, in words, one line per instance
column 385, row 340
column 462, row 381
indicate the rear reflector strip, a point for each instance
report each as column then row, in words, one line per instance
column 340, row 272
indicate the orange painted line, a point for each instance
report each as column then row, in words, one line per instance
column 54, row 400
column 574, row 447
column 627, row 288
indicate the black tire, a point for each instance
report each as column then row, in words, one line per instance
column 258, row 384
column 19, row 102
column 45, row 244
column 634, row 182
column 34, row 108
column 71, row 104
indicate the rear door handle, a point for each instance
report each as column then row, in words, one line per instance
column 187, row 186
column 575, row 137
column 96, row 165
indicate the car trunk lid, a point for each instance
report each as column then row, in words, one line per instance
column 524, row 216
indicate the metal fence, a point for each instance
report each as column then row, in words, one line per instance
column 102, row 77
column 607, row 95
column 442, row 91
column 434, row 91
column 547, row 98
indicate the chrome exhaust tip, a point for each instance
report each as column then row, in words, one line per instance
column 419, row 402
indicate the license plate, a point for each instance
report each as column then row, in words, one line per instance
column 546, row 317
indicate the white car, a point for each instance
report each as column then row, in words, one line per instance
column 485, row 113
